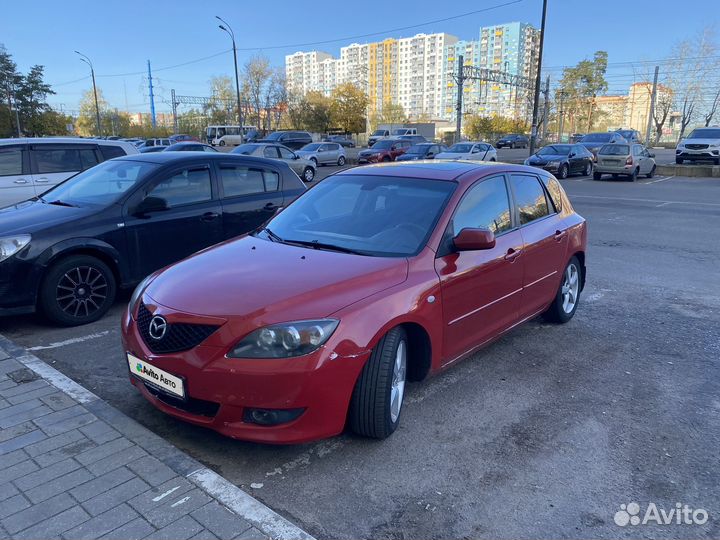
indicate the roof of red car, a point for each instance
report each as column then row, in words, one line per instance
column 435, row 169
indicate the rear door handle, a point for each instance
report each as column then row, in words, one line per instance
column 512, row 254
column 20, row 181
column 42, row 180
column 209, row 216
column 559, row 235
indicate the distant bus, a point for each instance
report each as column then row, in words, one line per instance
column 226, row 135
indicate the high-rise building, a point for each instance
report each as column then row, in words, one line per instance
column 382, row 85
column 302, row 71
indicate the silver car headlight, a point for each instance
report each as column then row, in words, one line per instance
column 285, row 340
column 10, row 245
column 681, row 145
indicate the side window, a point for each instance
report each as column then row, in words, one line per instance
column 109, row 152
column 88, row 158
column 55, row 160
column 285, row 153
column 10, row 161
column 241, row 180
column 485, row 206
column 529, row 198
column 553, row 187
column 270, row 152
column 191, row 185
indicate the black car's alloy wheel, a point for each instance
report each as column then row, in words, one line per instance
column 77, row 290
column 563, row 172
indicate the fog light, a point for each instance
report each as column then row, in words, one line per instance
column 271, row 417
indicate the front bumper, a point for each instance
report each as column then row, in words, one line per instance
column 699, row 155
column 19, row 281
column 546, row 167
column 220, row 389
column 373, row 158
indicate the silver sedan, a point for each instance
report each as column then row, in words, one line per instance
column 324, row 153
column 304, row 168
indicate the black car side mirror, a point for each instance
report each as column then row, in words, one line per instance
column 572, row 154
column 150, row 204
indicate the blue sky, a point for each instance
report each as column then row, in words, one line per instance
column 121, row 36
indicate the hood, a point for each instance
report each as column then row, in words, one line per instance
column 33, row 216
column 451, row 155
column 593, row 145
column 409, row 157
column 548, row 157
column 700, row 141
column 254, row 278
column 304, row 153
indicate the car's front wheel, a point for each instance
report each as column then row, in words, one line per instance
column 563, row 172
column 379, row 391
column 341, row 161
column 77, row 290
column 222, row 143
column 588, row 169
column 568, row 295
column 597, row 176
column 308, row 174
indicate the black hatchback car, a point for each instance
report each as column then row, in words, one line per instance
column 513, row 141
column 68, row 251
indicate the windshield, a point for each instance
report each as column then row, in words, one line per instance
column 627, row 133
column 101, row 185
column 312, row 147
column 275, row 136
column 615, row 150
column 370, row 215
column 245, row 149
column 418, row 149
column 379, row 132
column 460, row 148
column 401, row 131
column 704, row 134
column 555, row 150
column 597, row 137
column 382, row 145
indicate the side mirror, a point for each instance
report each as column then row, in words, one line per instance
column 430, row 154
column 651, row 155
column 572, row 154
column 150, row 204
column 474, row 239
column 295, row 156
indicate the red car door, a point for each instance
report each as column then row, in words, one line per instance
column 480, row 289
column 544, row 239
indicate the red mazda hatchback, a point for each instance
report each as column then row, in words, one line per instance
column 378, row 275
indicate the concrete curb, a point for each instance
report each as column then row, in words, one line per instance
column 690, row 171
column 228, row 494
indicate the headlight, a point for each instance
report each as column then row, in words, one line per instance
column 10, row 245
column 681, row 145
column 285, row 340
column 714, row 145
column 553, row 163
column 139, row 290
column 527, row 162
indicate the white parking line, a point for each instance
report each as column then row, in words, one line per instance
column 642, row 200
column 661, row 179
column 57, row 344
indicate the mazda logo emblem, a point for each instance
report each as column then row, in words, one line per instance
column 158, row 327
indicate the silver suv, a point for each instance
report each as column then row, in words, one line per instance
column 701, row 144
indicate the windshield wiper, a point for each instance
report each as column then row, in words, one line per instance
column 61, row 203
column 315, row 244
column 274, row 237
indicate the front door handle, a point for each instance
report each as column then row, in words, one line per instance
column 559, row 235
column 209, row 216
column 42, row 180
column 271, row 206
column 512, row 254
column 20, row 181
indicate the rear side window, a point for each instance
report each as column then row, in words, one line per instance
column 185, row 187
column 239, row 180
column 10, row 161
column 88, row 158
column 111, row 151
column 56, row 160
column 553, row 187
column 530, row 200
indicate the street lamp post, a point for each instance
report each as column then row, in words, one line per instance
column 538, row 79
column 226, row 28
column 92, row 73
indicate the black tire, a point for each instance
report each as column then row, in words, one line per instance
column 563, row 172
column 597, row 176
column 679, row 161
column 652, row 172
column 222, row 143
column 588, row 169
column 512, row 146
column 92, row 294
column 370, row 407
column 308, row 174
column 385, row 159
column 341, row 161
column 557, row 313
column 633, row 176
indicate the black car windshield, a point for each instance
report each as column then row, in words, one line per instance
column 370, row 215
column 101, row 185
column 382, row 145
column 705, row 134
column 597, row 137
column 275, row 136
column 555, row 150
column 460, row 148
column 614, row 150
column 245, row 149
column 312, row 147
column 628, row 134
column 419, row 149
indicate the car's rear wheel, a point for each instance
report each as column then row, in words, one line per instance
column 308, row 174
column 563, row 172
column 652, row 172
column 597, row 176
column 386, row 159
column 77, row 290
column 633, row 176
column 379, row 391
column 341, row 161
column 568, row 295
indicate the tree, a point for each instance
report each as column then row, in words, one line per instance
column 478, row 127
column 349, row 104
column 393, row 113
column 222, row 108
column 256, row 75
column 581, row 84
column 318, row 112
column 10, row 79
column 297, row 111
column 713, row 108
column 86, row 124
column 31, row 98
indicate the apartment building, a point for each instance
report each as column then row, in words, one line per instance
column 302, row 70
column 382, row 84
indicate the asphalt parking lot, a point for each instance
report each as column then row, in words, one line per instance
column 543, row 434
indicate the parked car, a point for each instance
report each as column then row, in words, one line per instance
column 629, row 160
column 403, row 131
column 304, row 168
column 155, row 142
column 291, row 139
column 470, row 150
column 341, row 140
column 324, row 153
column 576, row 137
column 67, row 252
column 377, row 276
column 190, row 147
column 563, row 160
column 424, row 150
column 593, row 141
column 415, row 139
column 513, row 141
column 377, row 135
column 384, row 150
column 152, row 149
column 29, row 167
column 701, row 144
column 180, row 137
column 630, row 135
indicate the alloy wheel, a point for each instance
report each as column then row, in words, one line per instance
column 570, row 288
column 397, row 390
column 81, row 291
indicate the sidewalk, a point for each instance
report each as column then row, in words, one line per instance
column 72, row 466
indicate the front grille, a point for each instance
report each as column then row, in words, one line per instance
column 191, row 405
column 178, row 336
column 696, row 146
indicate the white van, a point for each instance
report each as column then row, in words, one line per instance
column 404, row 131
column 29, row 167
